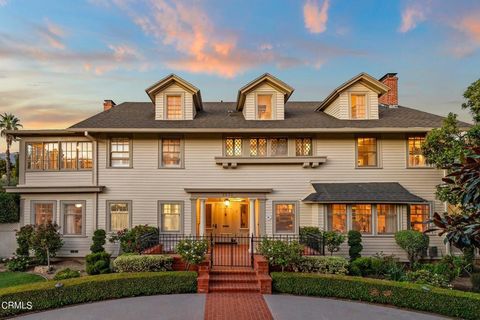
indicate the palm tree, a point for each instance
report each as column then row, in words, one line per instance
column 8, row 122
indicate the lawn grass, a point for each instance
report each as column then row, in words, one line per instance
column 9, row 279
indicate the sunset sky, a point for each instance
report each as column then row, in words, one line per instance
column 60, row 59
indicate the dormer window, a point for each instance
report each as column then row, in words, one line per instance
column 264, row 107
column 358, row 106
column 174, row 107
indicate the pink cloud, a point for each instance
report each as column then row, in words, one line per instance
column 316, row 16
column 412, row 15
column 53, row 34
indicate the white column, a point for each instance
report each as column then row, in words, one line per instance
column 251, row 223
column 202, row 217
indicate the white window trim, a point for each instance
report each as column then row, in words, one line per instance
column 62, row 215
column 32, row 209
column 160, row 213
column 108, row 215
column 182, row 104
column 182, row 153
column 273, row 97
column 367, row 104
column 296, row 216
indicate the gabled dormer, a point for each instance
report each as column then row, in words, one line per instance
column 175, row 99
column 356, row 99
column 264, row 98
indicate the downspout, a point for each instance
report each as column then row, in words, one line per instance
column 95, row 177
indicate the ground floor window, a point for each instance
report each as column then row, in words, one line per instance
column 43, row 212
column 337, row 218
column 419, row 213
column 170, row 216
column 119, row 215
column 362, row 218
column 73, row 217
column 386, row 219
column 285, row 217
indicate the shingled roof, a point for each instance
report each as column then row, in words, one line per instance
column 222, row 116
column 372, row 192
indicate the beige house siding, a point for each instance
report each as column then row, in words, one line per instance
column 160, row 100
column 340, row 107
column 278, row 105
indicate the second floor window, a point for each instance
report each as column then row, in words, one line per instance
column 120, row 152
column 59, row 155
column 358, row 106
column 233, row 147
column 278, row 147
column 174, row 107
column 171, row 153
column 415, row 155
column 264, row 107
column 367, row 152
column 303, row 146
column 258, row 147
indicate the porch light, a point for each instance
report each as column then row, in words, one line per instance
column 78, row 205
column 226, row 203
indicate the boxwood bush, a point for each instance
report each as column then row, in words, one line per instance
column 44, row 295
column 322, row 264
column 143, row 263
column 447, row 302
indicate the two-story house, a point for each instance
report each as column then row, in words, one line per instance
column 261, row 165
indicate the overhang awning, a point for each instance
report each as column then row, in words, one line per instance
column 371, row 192
column 60, row 189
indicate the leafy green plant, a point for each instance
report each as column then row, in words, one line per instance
column 9, row 207
column 333, row 241
column 98, row 240
column 413, row 242
column 18, row 263
column 98, row 263
column 23, row 240
column 131, row 240
column 355, row 244
column 44, row 295
column 46, row 241
column 192, row 251
column 281, row 253
column 453, row 303
column 66, row 273
column 378, row 266
column 143, row 263
column 427, row 277
column 322, row 264
column 312, row 237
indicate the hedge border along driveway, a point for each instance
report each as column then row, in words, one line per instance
column 45, row 295
column 447, row 302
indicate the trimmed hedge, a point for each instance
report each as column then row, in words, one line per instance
column 451, row 303
column 143, row 263
column 322, row 264
column 45, row 295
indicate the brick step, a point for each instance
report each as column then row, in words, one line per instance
column 233, row 287
column 233, row 272
column 234, row 278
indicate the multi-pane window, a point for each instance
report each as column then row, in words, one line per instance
column 285, row 218
column 415, row 155
column 170, row 214
column 264, row 106
column 43, row 212
column 337, row 218
column 35, row 156
column 358, row 106
column 59, row 155
column 174, row 107
column 233, row 147
column 303, row 146
column 362, row 218
column 419, row 214
column 119, row 152
column 258, row 147
column 119, row 213
column 386, row 219
column 278, row 147
column 367, row 152
column 171, row 153
column 73, row 215
column 85, row 155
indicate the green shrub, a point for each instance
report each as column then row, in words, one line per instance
column 98, row 263
column 44, row 295
column 450, row 267
column 415, row 243
column 355, row 244
column 379, row 266
column 333, row 241
column 23, row 240
column 475, row 278
column 9, row 207
column 192, row 251
column 131, row 239
column 361, row 266
column 98, row 240
column 322, row 264
column 66, row 273
column 143, row 263
column 281, row 253
column 427, row 277
column 46, row 241
column 312, row 237
column 451, row 303
column 18, row 263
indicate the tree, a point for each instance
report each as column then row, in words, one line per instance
column 8, row 122
column 46, row 241
column 333, row 241
column 472, row 95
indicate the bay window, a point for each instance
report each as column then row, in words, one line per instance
column 419, row 214
column 362, row 218
column 386, row 219
column 337, row 218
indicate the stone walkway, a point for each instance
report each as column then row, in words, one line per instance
column 228, row 306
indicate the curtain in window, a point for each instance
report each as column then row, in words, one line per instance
column 171, row 217
column 337, row 218
column 362, row 218
column 119, row 216
column 386, row 218
column 73, row 215
column 43, row 213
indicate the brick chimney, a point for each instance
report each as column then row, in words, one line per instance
column 108, row 104
column 390, row 98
